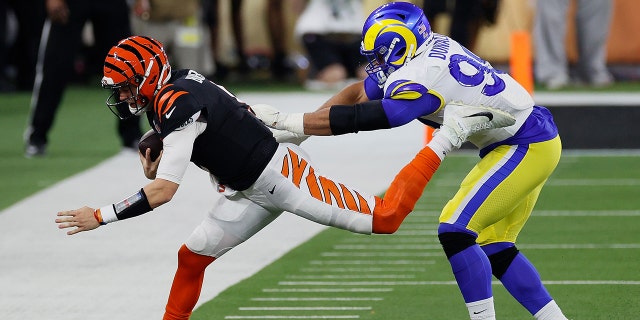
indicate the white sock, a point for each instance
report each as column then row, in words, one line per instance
column 440, row 145
column 551, row 311
column 482, row 309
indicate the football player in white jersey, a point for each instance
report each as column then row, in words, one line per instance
column 259, row 178
column 416, row 74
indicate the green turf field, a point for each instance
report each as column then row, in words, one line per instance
column 583, row 238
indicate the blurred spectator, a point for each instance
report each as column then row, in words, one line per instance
column 280, row 69
column 593, row 18
column 177, row 25
column 276, row 26
column 331, row 32
column 19, row 40
column 466, row 17
column 61, row 40
column 211, row 11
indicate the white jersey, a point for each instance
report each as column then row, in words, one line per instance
column 453, row 73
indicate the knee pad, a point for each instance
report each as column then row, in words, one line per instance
column 211, row 240
column 454, row 242
column 500, row 261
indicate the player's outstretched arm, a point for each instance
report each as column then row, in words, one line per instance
column 313, row 123
column 153, row 195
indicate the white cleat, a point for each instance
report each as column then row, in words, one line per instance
column 461, row 121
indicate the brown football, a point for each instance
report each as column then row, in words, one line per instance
column 150, row 140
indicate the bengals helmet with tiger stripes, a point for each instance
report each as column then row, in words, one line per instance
column 139, row 64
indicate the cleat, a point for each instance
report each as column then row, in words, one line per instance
column 35, row 151
column 461, row 121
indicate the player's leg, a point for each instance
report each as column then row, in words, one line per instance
column 292, row 183
column 510, row 266
column 229, row 223
column 487, row 196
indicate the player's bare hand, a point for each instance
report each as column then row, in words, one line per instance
column 148, row 166
column 81, row 219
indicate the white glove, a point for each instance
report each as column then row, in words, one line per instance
column 284, row 136
column 461, row 121
column 276, row 119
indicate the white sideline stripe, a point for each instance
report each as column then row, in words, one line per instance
column 370, row 262
column 304, row 308
column 428, row 283
column 319, row 299
column 306, row 290
column 587, row 99
column 294, row 317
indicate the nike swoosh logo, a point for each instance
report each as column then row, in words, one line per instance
column 482, row 114
column 272, row 189
column 479, row 312
column 168, row 114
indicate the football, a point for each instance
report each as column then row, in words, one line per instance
column 150, row 140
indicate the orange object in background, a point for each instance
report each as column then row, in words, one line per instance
column 520, row 59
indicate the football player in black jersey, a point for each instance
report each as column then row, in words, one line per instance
column 258, row 176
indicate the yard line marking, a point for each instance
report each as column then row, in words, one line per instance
column 380, row 254
column 338, row 270
column 593, row 182
column 325, row 290
column 585, row 213
column 593, row 282
column 427, row 283
column 370, row 262
column 407, row 233
column 304, row 308
column 565, row 182
column 393, row 240
column 294, row 317
column 319, row 299
column 352, row 276
column 387, row 247
column 581, row 246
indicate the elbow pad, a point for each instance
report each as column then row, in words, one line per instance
column 364, row 116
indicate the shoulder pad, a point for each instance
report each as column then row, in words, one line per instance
column 405, row 90
column 172, row 106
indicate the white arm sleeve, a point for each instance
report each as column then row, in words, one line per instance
column 178, row 146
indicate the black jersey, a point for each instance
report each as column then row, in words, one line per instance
column 235, row 147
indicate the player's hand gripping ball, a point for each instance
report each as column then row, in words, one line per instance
column 150, row 140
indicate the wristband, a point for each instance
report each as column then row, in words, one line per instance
column 107, row 214
column 132, row 206
column 98, row 216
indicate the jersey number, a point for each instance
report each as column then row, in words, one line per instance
column 482, row 69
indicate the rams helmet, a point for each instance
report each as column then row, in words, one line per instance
column 390, row 37
column 141, row 65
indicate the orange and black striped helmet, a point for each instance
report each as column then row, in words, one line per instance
column 139, row 63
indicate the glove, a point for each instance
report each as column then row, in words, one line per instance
column 284, row 136
column 276, row 119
